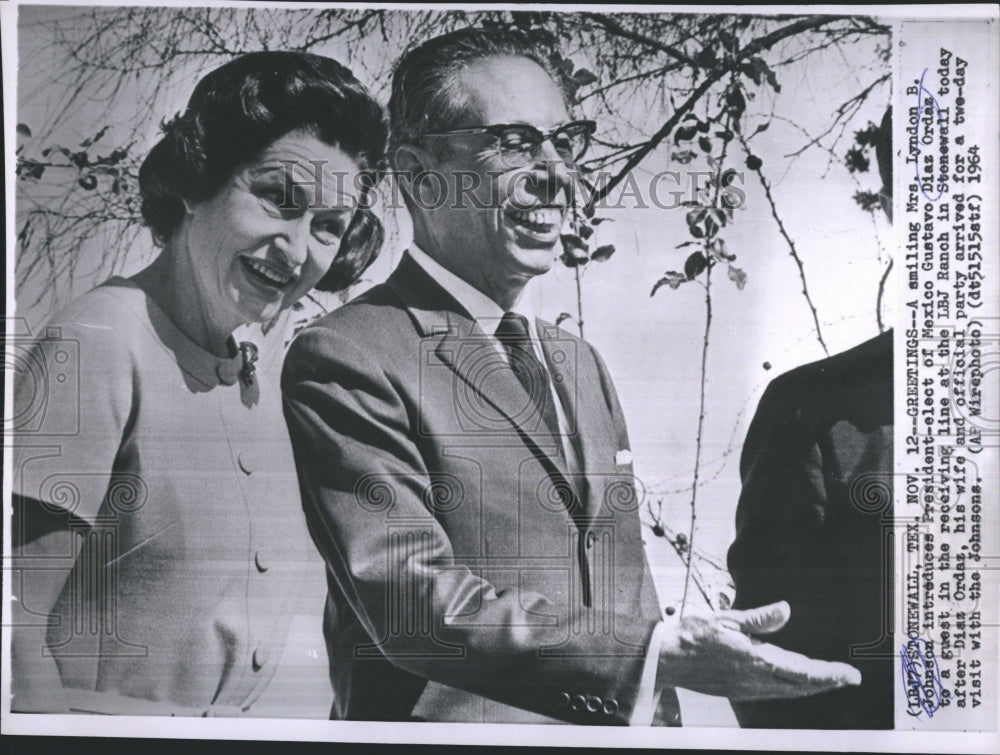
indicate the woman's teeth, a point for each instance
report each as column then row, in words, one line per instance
column 540, row 221
column 270, row 274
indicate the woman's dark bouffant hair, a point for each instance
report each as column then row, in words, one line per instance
column 239, row 109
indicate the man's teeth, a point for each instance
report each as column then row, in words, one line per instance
column 272, row 275
column 541, row 220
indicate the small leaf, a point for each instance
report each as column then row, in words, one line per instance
column 23, row 130
column 768, row 73
column 585, row 231
column 685, row 133
column 598, row 221
column 738, row 277
column 754, row 162
column 684, row 244
column 571, row 241
column 735, row 102
column 588, row 211
column 603, row 253
column 574, row 257
column 694, row 217
column 761, row 129
column 724, row 252
column 683, row 157
column 672, row 279
column 703, row 126
column 719, row 251
column 695, row 265
column 705, row 144
column 705, row 58
column 724, row 135
column 563, row 316
column 583, row 77
column 752, row 72
column 711, row 226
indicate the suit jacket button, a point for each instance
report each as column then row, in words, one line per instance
column 562, row 700
column 578, row 703
column 260, row 561
column 594, row 703
column 260, row 656
column 610, row 707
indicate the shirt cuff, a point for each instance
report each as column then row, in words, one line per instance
column 645, row 701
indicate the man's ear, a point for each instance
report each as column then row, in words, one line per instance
column 409, row 161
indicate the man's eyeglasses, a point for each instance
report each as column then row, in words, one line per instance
column 519, row 144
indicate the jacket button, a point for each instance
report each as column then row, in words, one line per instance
column 245, row 460
column 562, row 700
column 260, row 656
column 260, row 561
column 578, row 703
column 610, row 707
column 593, row 704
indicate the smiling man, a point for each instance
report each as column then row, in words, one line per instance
column 465, row 466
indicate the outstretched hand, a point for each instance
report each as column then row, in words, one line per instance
column 716, row 654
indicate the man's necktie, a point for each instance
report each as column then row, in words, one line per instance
column 513, row 336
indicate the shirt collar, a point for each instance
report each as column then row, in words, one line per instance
column 486, row 312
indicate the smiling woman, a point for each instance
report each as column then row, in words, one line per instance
column 168, row 525
column 260, row 243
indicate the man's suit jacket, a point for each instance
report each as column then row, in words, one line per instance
column 460, row 549
column 811, row 528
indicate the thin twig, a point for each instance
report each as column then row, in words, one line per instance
column 844, row 112
column 791, row 249
column 881, row 296
column 579, row 301
column 698, row 438
column 617, row 30
column 758, row 45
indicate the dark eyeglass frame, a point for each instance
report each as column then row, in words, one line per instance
column 534, row 144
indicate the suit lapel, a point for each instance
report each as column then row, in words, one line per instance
column 591, row 427
column 473, row 356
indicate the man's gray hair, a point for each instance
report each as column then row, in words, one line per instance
column 425, row 96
